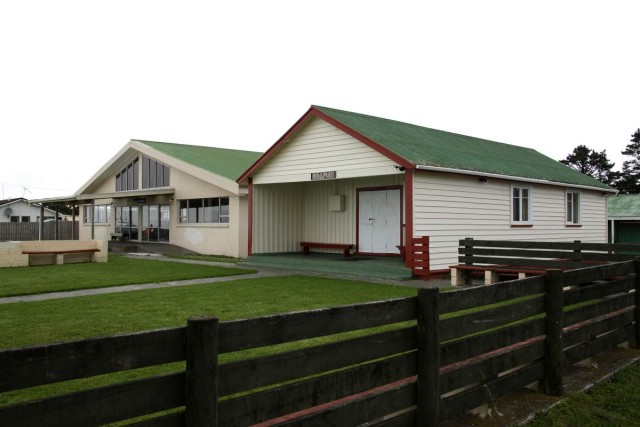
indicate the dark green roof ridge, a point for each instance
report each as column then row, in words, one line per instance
column 226, row 162
column 436, row 148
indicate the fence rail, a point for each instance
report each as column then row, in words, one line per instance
column 440, row 354
column 23, row 231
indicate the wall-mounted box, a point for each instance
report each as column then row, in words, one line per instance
column 336, row 203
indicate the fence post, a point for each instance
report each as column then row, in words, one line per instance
column 468, row 251
column 577, row 249
column 201, row 388
column 553, row 354
column 428, row 369
column 637, row 301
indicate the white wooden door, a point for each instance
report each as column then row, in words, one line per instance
column 379, row 221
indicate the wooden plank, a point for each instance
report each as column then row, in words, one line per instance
column 175, row 419
column 596, row 290
column 361, row 409
column 587, row 330
column 553, row 354
column 488, row 392
column 595, row 273
column 99, row 405
column 484, row 367
column 406, row 418
column 545, row 254
column 591, row 348
column 252, row 373
column 482, row 295
column 469, row 347
column 636, row 340
column 528, row 262
column 201, row 379
column 268, row 330
column 460, row 326
column 33, row 366
column 603, row 307
column 287, row 399
column 569, row 246
column 428, row 366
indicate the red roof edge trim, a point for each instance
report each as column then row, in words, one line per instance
column 275, row 147
column 314, row 112
column 364, row 139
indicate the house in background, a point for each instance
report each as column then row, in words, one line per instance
column 173, row 193
column 20, row 210
column 342, row 177
column 623, row 214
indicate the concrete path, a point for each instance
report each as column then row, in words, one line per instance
column 260, row 274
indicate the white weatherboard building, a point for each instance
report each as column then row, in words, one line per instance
column 342, row 177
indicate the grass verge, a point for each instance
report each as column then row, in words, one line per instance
column 119, row 271
column 612, row 403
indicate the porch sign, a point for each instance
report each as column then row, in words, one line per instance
column 318, row 176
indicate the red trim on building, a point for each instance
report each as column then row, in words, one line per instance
column 364, row 139
column 314, row 112
column 275, row 147
column 408, row 211
column 250, row 218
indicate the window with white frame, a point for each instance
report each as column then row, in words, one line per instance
column 101, row 214
column 573, row 207
column 520, row 205
column 212, row 210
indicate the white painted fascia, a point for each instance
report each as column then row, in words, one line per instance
column 512, row 178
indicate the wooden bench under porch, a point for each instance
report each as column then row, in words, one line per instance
column 344, row 247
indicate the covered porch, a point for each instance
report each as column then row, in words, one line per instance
column 356, row 266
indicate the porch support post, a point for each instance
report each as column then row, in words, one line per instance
column 408, row 214
column 73, row 222
column 250, row 217
column 41, row 225
column 56, row 223
column 93, row 219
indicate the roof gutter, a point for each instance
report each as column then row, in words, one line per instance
column 512, row 178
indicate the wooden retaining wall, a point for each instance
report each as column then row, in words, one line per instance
column 447, row 353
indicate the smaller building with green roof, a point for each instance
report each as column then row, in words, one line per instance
column 340, row 177
column 623, row 212
column 162, row 192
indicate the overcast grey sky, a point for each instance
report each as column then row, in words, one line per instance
column 79, row 79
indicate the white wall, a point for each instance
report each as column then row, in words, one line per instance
column 449, row 207
column 320, row 147
column 21, row 209
column 286, row 214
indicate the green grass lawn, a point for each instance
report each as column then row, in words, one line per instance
column 23, row 324
column 611, row 403
column 118, row 271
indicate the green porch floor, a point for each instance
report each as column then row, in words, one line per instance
column 385, row 268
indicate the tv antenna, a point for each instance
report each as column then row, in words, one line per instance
column 25, row 190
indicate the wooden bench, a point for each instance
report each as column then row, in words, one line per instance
column 344, row 247
column 59, row 254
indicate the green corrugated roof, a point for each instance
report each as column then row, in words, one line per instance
column 222, row 161
column 623, row 206
column 431, row 147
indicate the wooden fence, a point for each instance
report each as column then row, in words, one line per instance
column 447, row 353
column 23, row 231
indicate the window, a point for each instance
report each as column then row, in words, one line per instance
column 127, row 179
column 101, row 214
column 573, row 207
column 154, row 174
column 521, row 205
column 213, row 210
